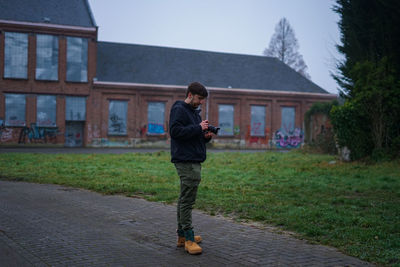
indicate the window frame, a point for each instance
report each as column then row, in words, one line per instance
column 10, row 59
column 125, row 133
column 282, row 126
column 70, row 98
column 52, row 114
column 262, row 134
column 6, row 121
column 159, row 126
column 53, row 69
column 222, row 131
column 70, row 57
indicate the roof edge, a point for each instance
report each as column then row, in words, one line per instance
column 48, row 25
column 90, row 13
column 182, row 48
column 215, row 89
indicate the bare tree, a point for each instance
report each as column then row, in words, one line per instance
column 284, row 46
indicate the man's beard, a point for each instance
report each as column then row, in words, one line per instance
column 194, row 106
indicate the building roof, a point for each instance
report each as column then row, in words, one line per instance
column 62, row 12
column 132, row 63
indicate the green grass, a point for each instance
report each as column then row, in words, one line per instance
column 352, row 206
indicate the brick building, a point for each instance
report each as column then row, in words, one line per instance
column 58, row 84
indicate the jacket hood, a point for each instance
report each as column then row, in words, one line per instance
column 187, row 106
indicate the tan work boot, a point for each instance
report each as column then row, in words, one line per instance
column 182, row 239
column 192, row 247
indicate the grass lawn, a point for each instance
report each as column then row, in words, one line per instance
column 352, row 206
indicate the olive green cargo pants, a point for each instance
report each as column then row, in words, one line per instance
column 190, row 176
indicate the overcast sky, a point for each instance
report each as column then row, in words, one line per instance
column 232, row 26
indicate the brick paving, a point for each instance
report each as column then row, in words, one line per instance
column 51, row 225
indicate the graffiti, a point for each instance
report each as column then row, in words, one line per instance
column 142, row 131
column 226, row 128
column 117, row 124
column 74, row 133
column 156, row 128
column 291, row 139
column 6, row 134
column 14, row 122
column 261, row 139
column 236, row 130
column 36, row 133
column 106, row 142
column 93, row 133
column 256, row 129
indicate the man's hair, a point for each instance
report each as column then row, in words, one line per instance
column 196, row 88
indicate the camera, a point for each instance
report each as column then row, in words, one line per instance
column 213, row 129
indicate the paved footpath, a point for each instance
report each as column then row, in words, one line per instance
column 50, row 225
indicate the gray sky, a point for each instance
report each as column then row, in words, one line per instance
column 232, row 26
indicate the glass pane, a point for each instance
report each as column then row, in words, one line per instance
column 77, row 49
column 16, row 55
column 46, row 57
column 288, row 120
column 75, row 109
column 117, row 116
column 46, row 110
column 225, row 121
column 15, row 110
column 155, row 118
column 257, row 120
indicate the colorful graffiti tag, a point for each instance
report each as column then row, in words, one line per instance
column 156, row 128
column 5, row 133
column 291, row 139
column 256, row 137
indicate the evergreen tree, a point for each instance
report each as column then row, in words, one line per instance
column 369, row 76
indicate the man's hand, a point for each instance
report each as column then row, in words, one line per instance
column 208, row 135
column 204, row 125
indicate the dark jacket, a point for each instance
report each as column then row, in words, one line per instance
column 188, row 143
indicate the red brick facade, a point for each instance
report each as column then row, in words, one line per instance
column 98, row 94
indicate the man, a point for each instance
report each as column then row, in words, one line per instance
column 189, row 136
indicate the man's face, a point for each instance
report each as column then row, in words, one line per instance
column 196, row 100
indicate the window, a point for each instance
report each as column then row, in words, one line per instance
column 117, row 115
column 16, row 55
column 46, row 57
column 75, row 108
column 288, row 120
column 15, row 110
column 257, row 121
column 77, row 57
column 46, row 111
column 225, row 119
column 155, row 119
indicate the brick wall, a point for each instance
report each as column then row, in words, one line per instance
column 32, row 87
column 98, row 94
